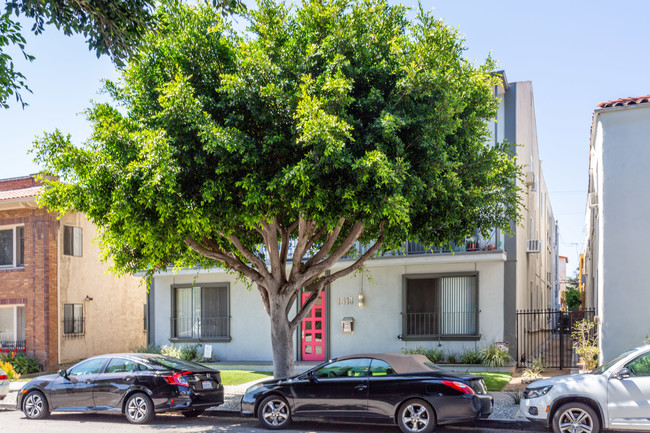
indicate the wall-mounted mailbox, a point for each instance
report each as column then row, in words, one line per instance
column 347, row 325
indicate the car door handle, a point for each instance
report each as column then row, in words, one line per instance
column 361, row 387
column 88, row 381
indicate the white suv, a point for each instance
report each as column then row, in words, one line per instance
column 614, row 396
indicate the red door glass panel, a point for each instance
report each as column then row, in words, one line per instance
column 313, row 330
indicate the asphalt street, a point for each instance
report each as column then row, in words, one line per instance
column 14, row 421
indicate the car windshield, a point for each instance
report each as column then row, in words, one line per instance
column 607, row 365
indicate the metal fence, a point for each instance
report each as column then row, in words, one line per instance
column 207, row 327
column 12, row 344
column 437, row 324
column 546, row 334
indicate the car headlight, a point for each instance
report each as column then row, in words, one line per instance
column 254, row 387
column 536, row 392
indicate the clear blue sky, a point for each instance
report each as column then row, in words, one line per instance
column 576, row 53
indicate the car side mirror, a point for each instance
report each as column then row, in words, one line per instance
column 311, row 377
column 63, row 373
column 623, row 373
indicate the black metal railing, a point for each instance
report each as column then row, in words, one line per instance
column 12, row 344
column 546, row 335
column 73, row 326
column 210, row 327
column 438, row 324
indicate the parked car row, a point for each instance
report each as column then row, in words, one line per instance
column 406, row 390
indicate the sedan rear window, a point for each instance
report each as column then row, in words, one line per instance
column 174, row 364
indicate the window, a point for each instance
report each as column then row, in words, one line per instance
column 441, row 306
column 640, row 366
column 345, row 368
column 121, row 365
column 200, row 312
column 12, row 247
column 72, row 241
column 12, row 326
column 73, row 319
column 380, row 368
column 90, row 366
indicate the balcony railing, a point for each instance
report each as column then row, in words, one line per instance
column 437, row 324
column 207, row 327
column 12, row 344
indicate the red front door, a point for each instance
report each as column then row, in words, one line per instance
column 313, row 330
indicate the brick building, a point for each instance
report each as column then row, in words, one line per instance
column 56, row 298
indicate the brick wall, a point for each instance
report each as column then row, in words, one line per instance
column 36, row 283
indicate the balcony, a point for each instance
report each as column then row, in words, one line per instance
column 474, row 244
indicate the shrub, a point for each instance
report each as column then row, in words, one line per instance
column 586, row 343
column 471, row 356
column 452, row 358
column 646, row 340
column 495, row 355
column 148, row 349
column 434, row 355
column 515, row 397
column 21, row 363
column 189, row 352
column 9, row 370
column 171, row 350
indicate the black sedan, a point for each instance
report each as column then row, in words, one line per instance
column 136, row 385
column 406, row 390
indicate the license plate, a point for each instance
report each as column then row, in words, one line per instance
column 207, row 384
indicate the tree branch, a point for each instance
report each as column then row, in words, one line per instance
column 228, row 259
column 318, row 268
column 325, row 249
column 256, row 261
column 307, row 306
column 265, row 298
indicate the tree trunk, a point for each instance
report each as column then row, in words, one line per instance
column 281, row 338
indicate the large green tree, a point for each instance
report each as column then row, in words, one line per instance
column 335, row 124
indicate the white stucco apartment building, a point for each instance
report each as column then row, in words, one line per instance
column 617, row 223
column 458, row 300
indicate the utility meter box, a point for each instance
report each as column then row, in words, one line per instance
column 347, row 325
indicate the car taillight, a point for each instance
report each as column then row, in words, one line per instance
column 3, row 377
column 459, row 386
column 178, row 379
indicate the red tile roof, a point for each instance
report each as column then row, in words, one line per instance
column 14, row 194
column 621, row 102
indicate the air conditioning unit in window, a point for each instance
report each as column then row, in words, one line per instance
column 593, row 199
column 530, row 179
column 533, row 246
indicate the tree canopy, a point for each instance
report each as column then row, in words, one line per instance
column 111, row 27
column 334, row 124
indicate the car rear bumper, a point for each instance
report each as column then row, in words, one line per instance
column 190, row 401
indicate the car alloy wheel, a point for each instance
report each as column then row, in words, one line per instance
column 139, row 409
column 576, row 418
column 274, row 413
column 35, row 406
column 416, row 416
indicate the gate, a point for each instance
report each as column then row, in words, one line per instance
column 547, row 334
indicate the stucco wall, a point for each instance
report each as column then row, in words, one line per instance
column 624, row 206
column 376, row 325
column 114, row 318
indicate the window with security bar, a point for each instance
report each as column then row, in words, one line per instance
column 441, row 306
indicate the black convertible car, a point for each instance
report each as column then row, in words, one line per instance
column 407, row 390
column 136, row 385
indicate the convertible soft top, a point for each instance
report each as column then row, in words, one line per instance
column 401, row 363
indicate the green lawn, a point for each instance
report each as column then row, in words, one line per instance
column 237, row 377
column 495, row 381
